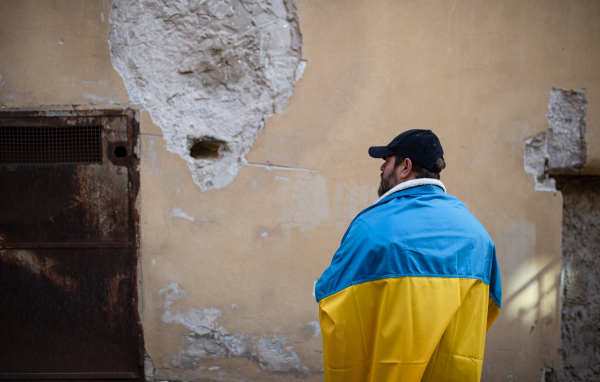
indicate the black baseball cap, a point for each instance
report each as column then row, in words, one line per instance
column 421, row 146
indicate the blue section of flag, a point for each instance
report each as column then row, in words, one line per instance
column 420, row 231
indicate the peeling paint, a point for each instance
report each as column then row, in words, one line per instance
column 177, row 212
column 301, row 69
column 311, row 329
column 148, row 368
column 535, row 158
column 208, row 70
column 171, row 293
column 209, row 339
column 276, row 354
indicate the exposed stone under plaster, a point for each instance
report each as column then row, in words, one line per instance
column 580, row 279
column 208, row 339
column 209, row 71
column 562, row 149
column 555, row 158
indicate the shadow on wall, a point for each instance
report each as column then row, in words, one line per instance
column 531, row 296
column 532, row 293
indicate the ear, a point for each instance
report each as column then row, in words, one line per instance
column 404, row 170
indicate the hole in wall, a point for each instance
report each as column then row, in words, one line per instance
column 207, row 147
column 225, row 87
column 120, row 152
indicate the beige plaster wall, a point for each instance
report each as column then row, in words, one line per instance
column 56, row 52
column 477, row 73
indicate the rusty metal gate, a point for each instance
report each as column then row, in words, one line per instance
column 68, row 245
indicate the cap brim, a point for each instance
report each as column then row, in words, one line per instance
column 380, row 151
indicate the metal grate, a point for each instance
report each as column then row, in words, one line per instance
column 78, row 144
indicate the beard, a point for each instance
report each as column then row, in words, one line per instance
column 387, row 183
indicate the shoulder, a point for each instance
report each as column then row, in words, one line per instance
column 422, row 212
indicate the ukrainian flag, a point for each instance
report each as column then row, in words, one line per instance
column 410, row 293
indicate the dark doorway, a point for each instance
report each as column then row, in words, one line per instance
column 68, row 245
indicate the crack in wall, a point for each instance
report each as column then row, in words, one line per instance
column 208, row 69
column 561, row 150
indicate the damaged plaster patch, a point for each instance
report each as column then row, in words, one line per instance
column 311, row 329
column 177, row 212
column 148, row 368
column 562, row 149
column 209, row 339
column 209, row 71
column 535, row 158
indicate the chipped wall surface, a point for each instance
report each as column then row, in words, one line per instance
column 561, row 150
column 581, row 279
column 228, row 273
column 535, row 159
column 208, row 339
column 208, row 71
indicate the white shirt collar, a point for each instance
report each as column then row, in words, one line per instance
column 410, row 184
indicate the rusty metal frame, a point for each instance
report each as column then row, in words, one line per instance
column 76, row 116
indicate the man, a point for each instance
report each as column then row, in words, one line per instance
column 414, row 285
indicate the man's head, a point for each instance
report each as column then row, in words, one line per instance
column 411, row 155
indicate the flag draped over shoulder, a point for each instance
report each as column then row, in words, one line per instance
column 410, row 293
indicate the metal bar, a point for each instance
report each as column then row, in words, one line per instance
column 57, row 114
column 92, row 244
column 54, row 122
column 116, row 375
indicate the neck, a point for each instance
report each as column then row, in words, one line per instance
column 410, row 184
